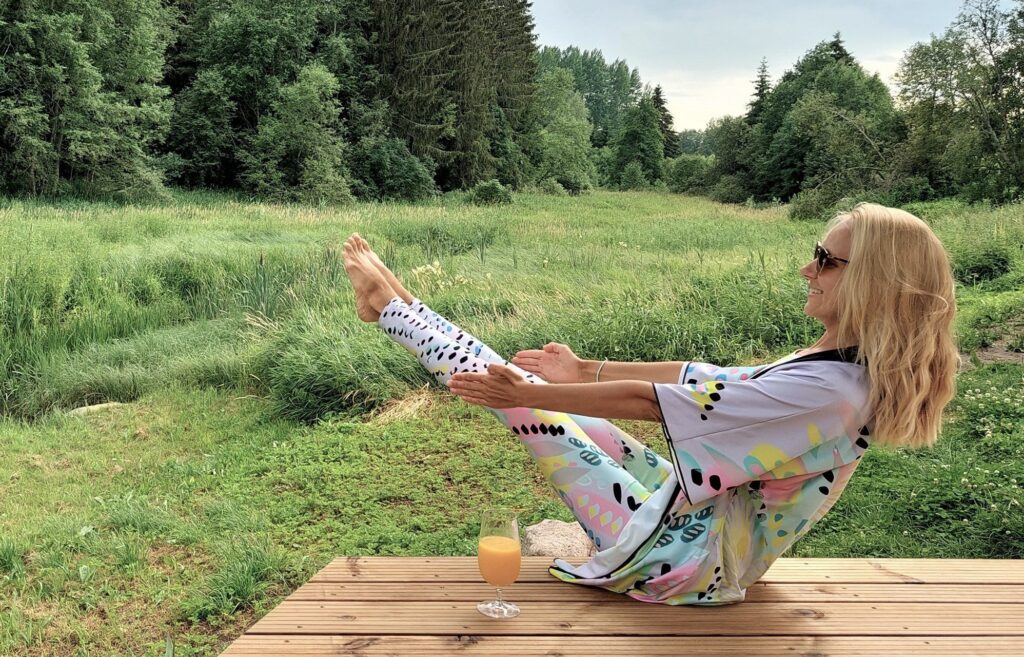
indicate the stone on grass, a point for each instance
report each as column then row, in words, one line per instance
column 554, row 538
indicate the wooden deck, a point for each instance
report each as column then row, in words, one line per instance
column 426, row 606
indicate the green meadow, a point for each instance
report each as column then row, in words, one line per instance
column 263, row 429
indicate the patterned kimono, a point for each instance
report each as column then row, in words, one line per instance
column 759, row 455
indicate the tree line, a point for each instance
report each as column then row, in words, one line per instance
column 329, row 100
column 827, row 132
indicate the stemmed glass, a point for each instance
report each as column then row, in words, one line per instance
column 499, row 556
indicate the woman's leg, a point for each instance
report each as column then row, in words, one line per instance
column 637, row 459
column 600, row 493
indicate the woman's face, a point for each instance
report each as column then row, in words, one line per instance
column 823, row 286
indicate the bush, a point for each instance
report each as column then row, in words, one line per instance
column 383, row 168
column 688, row 173
column 633, row 177
column 910, row 189
column 729, row 189
column 552, row 187
column 812, row 204
column 490, row 192
column 973, row 263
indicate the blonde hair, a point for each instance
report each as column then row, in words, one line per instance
column 896, row 302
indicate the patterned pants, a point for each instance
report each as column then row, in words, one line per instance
column 602, row 473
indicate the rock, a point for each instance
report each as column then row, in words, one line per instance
column 554, row 538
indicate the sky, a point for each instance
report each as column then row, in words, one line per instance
column 705, row 54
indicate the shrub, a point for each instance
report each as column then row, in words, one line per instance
column 383, row 168
column 910, row 189
column 729, row 189
column 688, row 173
column 811, row 204
column 633, row 177
column 552, row 187
column 973, row 263
column 490, row 192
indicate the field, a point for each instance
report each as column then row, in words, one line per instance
column 264, row 429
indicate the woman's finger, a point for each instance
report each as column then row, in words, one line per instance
column 463, row 377
column 529, row 353
column 472, row 387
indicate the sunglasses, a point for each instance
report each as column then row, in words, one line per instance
column 826, row 259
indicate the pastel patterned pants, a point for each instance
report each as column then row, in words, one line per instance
column 602, row 473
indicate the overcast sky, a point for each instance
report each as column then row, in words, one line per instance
column 705, row 54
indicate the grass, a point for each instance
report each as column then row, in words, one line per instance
column 266, row 430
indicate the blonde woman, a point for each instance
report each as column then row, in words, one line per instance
column 758, row 454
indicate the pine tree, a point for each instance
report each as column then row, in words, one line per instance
column 838, row 50
column 762, row 87
column 640, row 140
column 668, row 136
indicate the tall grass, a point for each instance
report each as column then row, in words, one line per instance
column 105, row 302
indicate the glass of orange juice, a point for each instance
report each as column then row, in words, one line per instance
column 499, row 557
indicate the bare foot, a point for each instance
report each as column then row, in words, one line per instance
column 372, row 290
column 364, row 247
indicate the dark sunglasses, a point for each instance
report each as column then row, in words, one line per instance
column 824, row 258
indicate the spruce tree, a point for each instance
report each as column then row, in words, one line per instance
column 640, row 140
column 762, row 87
column 668, row 136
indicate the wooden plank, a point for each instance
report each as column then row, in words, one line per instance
column 595, row 618
column 557, row 591
column 705, row 646
column 788, row 570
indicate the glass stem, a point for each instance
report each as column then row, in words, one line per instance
column 499, row 597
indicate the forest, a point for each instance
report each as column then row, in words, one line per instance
column 329, row 101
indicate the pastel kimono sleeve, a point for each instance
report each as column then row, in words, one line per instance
column 698, row 372
column 722, row 434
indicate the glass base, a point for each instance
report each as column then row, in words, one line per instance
column 498, row 609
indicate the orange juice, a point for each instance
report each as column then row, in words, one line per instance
column 499, row 558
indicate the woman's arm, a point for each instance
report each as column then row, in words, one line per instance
column 556, row 363
column 666, row 372
column 501, row 387
column 624, row 400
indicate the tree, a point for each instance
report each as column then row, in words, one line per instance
column 762, row 87
column 564, row 133
column 962, row 93
column 232, row 59
column 668, row 136
column 640, row 140
column 692, row 142
column 81, row 104
column 297, row 153
column 783, row 148
column 608, row 89
column 730, row 139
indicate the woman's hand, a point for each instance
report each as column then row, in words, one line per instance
column 499, row 388
column 555, row 363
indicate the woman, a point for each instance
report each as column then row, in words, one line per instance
column 759, row 454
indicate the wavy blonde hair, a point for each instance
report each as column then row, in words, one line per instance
column 896, row 302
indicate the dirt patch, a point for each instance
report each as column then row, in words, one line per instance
column 997, row 352
column 415, row 404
